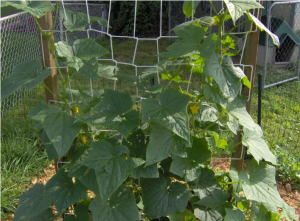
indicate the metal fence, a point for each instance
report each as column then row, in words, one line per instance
column 19, row 43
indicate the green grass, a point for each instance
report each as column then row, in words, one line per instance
column 280, row 115
column 22, row 157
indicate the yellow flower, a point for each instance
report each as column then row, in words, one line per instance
column 84, row 140
column 224, row 50
column 49, row 33
column 194, row 109
column 76, row 110
column 214, row 23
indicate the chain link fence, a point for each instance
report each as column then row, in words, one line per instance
column 19, row 43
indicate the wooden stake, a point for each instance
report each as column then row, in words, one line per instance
column 250, row 57
column 51, row 82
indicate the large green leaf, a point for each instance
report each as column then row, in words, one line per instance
column 114, row 111
column 257, row 146
column 81, row 214
column 162, row 144
column 262, row 27
column 76, row 21
column 89, row 68
column 85, row 174
column 226, row 75
column 106, row 71
column 234, row 215
column 32, row 203
column 204, row 213
column 64, row 191
column 61, row 131
column 27, row 74
column 189, row 7
column 88, row 48
column 143, row 171
column 120, row 207
column 260, row 213
column 189, row 166
column 186, row 215
column 162, row 198
column 288, row 212
column 35, row 8
column 190, row 36
column 40, row 111
column 87, row 102
column 169, row 111
column 111, row 169
column 237, row 8
column 237, row 108
column 214, row 94
column 52, row 154
column 260, row 185
column 103, row 22
column 46, row 215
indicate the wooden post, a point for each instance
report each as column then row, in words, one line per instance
column 51, row 81
column 250, row 57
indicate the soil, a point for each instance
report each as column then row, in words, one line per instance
column 288, row 192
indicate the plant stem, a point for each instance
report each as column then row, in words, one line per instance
column 205, row 129
column 50, row 90
column 231, row 30
column 213, row 7
column 57, row 5
column 237, row 144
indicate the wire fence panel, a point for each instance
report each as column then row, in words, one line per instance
column 281, row 64
column 19, row 43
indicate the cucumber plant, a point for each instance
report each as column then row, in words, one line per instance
column 157, row 164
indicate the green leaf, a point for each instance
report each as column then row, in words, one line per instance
column 237, row 108
column 32, row 203
column 46, row 215
column 190, row 35
column 236, row 215
column 226, row 75
column 76, row 21
column 143, row 171
column 111, row 170
column 40, row 111
column 262, row 27
column 203, row 213
column 89, row 68
column 85, row 174
column 261, row 185
column 61, row 131
column 120, row 207
column 169, row 197
column 288, row 212
column 88, row 48
column 169, row 111
column 186, row 215
column 27, row 74
column 237, row 8
column 189, row 167
column 207, row 113
column 35, row 8
column 246, row 82
column 257, row 146
column 106, row 71
column 64, row 191
column 162, row 143
column 114, row 111
column 103, row 22
column 87, row 102
column 262, row 214
column 81, row 214
column 211, row 93
column 52, row 154
column 189, row 7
